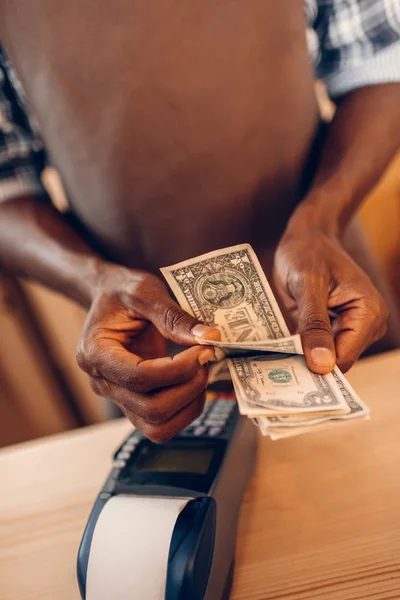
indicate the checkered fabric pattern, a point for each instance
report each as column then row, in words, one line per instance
column 22, row 154
column 352, row 43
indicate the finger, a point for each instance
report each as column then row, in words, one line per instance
column 314, row 325
column 177, row 325
column 157, row 407
column 349, row 347
column 164, row 432
column 112, row 361
column 355, row 330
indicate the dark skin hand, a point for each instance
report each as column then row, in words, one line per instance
column 123, row 349
column 131, row 315
column 337, row 308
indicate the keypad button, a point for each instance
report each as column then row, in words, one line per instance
column 225, row 405
column 214, row 431
column 197, row 422
column 218, row 410
column 130, row 445
column 124, row 455
column 200, row 431
column 215, row 422
column 219, row 414
column 119, row 464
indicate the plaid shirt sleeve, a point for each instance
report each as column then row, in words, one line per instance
column 359, row 42
column 22, row 157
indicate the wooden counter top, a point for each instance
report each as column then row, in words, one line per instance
column 320, row 519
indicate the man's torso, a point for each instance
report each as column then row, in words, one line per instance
column 178, row 127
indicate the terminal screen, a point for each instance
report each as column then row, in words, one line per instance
column 177, row 460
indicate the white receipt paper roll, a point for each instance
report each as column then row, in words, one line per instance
column 129, row 552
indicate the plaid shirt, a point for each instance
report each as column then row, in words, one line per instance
column 352, row 43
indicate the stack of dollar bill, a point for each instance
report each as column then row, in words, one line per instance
column 228, row 289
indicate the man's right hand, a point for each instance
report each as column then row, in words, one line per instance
column 123, row 343
column 123, row 350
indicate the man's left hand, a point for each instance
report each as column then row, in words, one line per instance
column 337, row 308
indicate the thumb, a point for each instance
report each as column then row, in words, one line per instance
column 178, row 326
column 315, row 329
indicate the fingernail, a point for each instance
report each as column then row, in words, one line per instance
column 205, row 357
column 201, row 330
column 322, row 357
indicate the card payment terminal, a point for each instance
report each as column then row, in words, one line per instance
column 208, row 464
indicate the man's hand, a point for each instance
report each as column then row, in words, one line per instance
column 338, row 310
column 316, row 278
column 123, row 350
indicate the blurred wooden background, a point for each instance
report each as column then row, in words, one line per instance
column 380, row 216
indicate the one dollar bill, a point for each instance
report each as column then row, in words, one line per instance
column 279, row 384
column 278, row 426
column 227, row 289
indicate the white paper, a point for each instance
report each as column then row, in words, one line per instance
column 129, row 552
